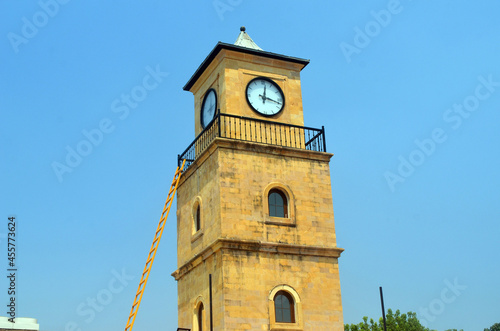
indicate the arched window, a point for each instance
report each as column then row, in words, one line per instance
column 284, row 307
column 199, row 315
column 197, row 220
column 278, row 206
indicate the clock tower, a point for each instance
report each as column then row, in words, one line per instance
column 256, row 245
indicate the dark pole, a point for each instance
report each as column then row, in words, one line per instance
column 324, row 138
column 218, row 122
column 383, row 310
column 211, row 314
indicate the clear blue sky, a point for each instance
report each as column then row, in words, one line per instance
column 409, row 94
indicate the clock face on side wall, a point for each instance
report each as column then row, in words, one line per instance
column 208, row 108
column 265, row 96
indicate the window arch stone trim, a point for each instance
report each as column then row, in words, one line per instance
column 285, row 189
column 196, row 308
column 298, row 325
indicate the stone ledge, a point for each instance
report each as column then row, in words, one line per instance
column 255, row 246
column 253, row 147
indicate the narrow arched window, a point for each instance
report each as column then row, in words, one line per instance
column 200, row 317
column 197, row 220
column 284, row 307
column 278, row 206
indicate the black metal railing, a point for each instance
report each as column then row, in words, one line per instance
column 254, row 130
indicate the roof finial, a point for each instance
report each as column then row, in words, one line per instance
column 244, row 40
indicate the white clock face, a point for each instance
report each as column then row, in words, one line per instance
column 265, row 96
column 208, row 107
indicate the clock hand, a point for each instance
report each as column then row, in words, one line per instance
column 273, row 100
column 264, row 97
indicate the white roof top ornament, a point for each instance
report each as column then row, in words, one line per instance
column 244, row 40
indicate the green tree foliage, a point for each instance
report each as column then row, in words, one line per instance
column 395, row 322
column 494, row 327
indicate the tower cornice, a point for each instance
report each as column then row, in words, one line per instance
column 225, row 46
column 282, row 151
column 230, row 244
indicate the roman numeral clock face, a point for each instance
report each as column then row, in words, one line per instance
column 265, row 96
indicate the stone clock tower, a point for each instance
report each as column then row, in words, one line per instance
column 256, row 245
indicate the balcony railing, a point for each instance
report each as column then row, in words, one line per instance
column 254, row 130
